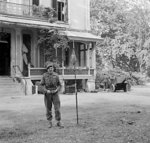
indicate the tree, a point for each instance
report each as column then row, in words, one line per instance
column 124, row 27
column 51, row 40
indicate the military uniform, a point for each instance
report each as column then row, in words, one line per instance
column 51, row 82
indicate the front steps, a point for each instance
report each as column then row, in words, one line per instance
column 9, row 87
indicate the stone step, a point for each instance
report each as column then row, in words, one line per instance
column 9, row 87
column 11, row 94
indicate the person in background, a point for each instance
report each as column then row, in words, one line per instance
column 105, row 81
column 51, row 87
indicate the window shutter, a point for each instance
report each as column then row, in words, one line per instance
column 66, row 11
column 54, row 4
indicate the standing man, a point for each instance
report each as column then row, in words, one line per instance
column 105, row 81
column 51, row 87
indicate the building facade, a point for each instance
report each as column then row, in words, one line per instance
column 20, row 55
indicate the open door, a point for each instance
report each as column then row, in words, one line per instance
column 4, row 54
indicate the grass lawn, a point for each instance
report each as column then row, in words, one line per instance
column 104, row 117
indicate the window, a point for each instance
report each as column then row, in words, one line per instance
column 61, row 7
column 83, row 53
column 35, row 2
column 60, row 11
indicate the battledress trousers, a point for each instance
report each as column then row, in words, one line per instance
column 50, row 99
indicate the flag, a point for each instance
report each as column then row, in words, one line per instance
column 73, row 58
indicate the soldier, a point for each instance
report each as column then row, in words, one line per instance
column 51, row 87
column 105, row 81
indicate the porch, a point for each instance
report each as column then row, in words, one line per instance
column 85, row 64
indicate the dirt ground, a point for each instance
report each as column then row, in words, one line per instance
column 104, row 117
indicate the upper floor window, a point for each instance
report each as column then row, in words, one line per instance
column 61, row 7
column 60, row 11
column 35, row 2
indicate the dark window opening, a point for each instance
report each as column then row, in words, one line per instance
column 35, row 2
column 4, row 53
column 66, row 63
column 60, row 11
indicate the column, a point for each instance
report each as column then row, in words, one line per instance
column 13, row 51
column 88, row 58
column 94, row 58
column 18, row 51
column 62, row 85
column 62, row 61
column 91, row 80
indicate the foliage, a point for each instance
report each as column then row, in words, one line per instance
column 148, row 71
column 125, row 31
column 51, row 40
column 46, row 12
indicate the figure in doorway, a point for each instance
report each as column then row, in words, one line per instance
column 25, row 59
column 24, row 54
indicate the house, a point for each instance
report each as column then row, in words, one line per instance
column 21, row 57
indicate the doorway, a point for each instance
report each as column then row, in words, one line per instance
column 4, row 54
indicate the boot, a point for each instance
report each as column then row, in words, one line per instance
column 59, row 125
column 50, row 124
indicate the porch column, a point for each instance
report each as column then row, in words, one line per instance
column 91, row 81
column 18, row 51
column 63, row 61
column 88, row 58
column 62, row 85
column 94, row 58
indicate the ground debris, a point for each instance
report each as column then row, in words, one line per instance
column 125, row 121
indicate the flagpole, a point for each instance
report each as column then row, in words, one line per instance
column 76, row 95
column 75, row 85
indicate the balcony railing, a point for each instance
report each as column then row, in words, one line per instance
column 15, row 9
column 29, row 11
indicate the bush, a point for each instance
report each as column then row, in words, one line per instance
column 138, row 78
column 135, row 78
column 148, row 72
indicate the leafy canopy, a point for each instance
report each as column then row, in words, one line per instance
column 124, row 27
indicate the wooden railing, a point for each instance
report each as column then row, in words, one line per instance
column 61, row 71
column 78, row 71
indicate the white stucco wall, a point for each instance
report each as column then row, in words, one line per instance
column 45, row 3
column 79, row 14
